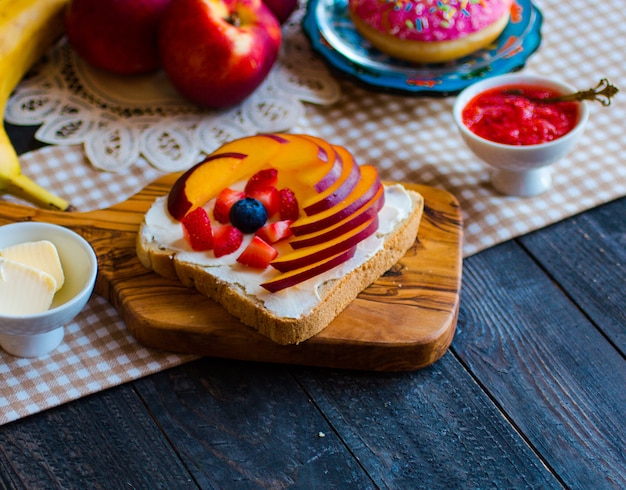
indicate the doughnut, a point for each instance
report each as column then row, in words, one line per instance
column 429, row 31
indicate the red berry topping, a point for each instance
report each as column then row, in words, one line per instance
column 226, row 240
column 197, row 230
column 263, row 178
column 288, row 205
column 274, row 232
column 224, row 202
column 269, row 197
column 257, row 254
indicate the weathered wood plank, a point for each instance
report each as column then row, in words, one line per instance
column 100, row 442
column 246, row 425
column 432, row 429
column 587, row 256
column 550, row 370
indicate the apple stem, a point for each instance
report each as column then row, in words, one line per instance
column 234, row 19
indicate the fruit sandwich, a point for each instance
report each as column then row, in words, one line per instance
column 283, row 230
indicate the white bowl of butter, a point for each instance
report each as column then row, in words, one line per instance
column 47, row 275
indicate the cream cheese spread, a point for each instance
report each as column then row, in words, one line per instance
column 292, row 302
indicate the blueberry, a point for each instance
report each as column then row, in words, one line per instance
column 248, row 214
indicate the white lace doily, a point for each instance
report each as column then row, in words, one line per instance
column 117, row 119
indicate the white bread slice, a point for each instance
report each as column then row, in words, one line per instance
column 335, row 295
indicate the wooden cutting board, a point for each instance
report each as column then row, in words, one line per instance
column 404, row 321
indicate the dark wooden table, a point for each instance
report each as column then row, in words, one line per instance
column 532, row 394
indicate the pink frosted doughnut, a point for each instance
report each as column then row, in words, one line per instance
column 430, row 31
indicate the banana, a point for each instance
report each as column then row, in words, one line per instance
column 27, row 30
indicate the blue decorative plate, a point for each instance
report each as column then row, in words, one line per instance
column 333, row 35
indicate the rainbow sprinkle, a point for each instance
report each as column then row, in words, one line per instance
column 447, row 9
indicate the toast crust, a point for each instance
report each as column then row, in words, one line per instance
column 335, row 294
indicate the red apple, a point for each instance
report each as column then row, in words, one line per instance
column 217, row 52
column 119, row 36
column 282, row 9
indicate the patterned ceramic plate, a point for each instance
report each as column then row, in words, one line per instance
column 334, row 37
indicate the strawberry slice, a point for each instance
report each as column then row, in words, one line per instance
column 197, row 230
column 257, row 254
column 274, row 232
column 269, row 197
column 263, row 178
column 226, row 240
column 288, row 207
column 224, row 202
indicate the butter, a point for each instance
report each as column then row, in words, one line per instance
column 41, row 255
column 24, row 290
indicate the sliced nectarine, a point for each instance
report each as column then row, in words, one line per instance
column 331, row 175
column 343, row 185
column 363, row 192
column 304, row 164
column 333, row 171
column 299, row 153
column 325, row 148
column 201, row 182
column 309, row 255
column 301, row 161
column 296, row 276
column 367, row 212
column 232, row 162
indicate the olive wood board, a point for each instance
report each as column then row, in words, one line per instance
column 404, row 321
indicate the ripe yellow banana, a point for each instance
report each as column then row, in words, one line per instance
column 27, row 30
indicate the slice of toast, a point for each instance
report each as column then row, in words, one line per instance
column 331, row 292
column 348, row 229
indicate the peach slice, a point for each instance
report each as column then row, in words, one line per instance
column 299, row 152
column 363, row 192
column 302, row 161
column 305, row 164
column 343, row 185
column 324, row 145
column 309, row 255
column 367, row 212
column 334, row 171
column 192, row 189
column 332, row 175
column 296, row 276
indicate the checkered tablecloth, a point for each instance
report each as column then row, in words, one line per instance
column 409, row 139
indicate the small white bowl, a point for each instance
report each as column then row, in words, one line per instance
column 38, row 334
column 519, row 170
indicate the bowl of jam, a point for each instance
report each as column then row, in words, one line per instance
column 511, row 123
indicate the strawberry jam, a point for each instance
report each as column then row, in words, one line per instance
column 510, row 116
